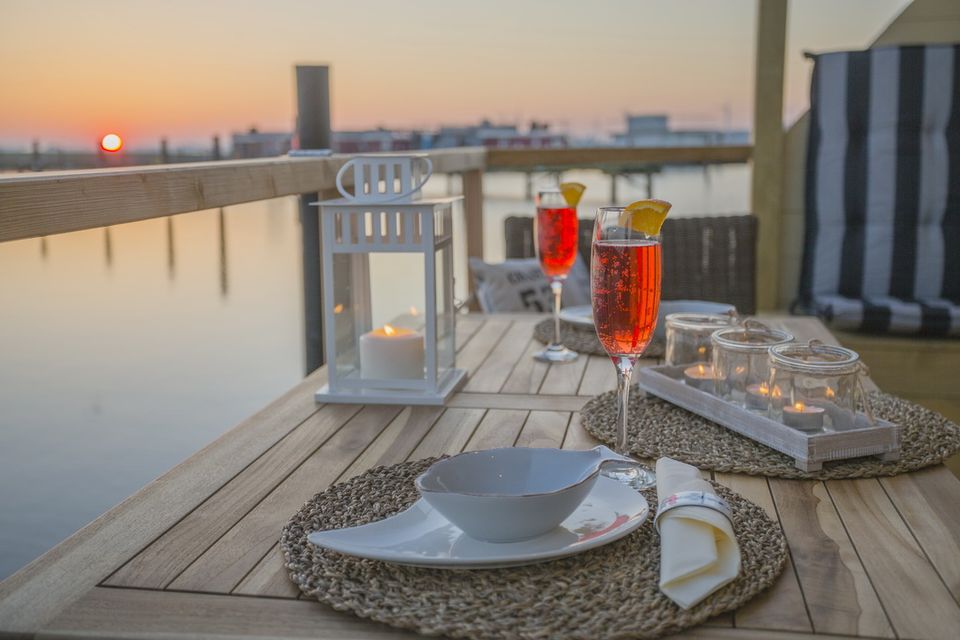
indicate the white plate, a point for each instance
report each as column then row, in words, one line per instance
column 580, row 316
column 420, row 536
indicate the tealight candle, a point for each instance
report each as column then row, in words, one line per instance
column 802, row 416
column 390, row 353
column 699, row 376
column 758, row 396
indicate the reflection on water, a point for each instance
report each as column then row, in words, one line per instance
column 126, row 349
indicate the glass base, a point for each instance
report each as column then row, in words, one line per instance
column 633, row 476
column 556, row 353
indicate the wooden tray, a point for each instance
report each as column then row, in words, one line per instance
column 809, row 450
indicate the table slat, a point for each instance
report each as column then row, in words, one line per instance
column 498, row 426
column 918, row 603
column 929, row 501
column 491, row 376
column 140, row 613
column 269, row 578
column 839, row 595
column 451, row 433
column 544, row 429
column 171, row 553
column 564, row 378
column 782, row 606
column 599, row 376
column 473, row 354
column 221, row 567
column 528, row 374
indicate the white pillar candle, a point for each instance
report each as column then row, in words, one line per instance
column 391, row 353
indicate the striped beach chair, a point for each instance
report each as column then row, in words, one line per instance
column 882, row 239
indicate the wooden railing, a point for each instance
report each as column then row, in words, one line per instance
column 611, row 157
column 47, row 203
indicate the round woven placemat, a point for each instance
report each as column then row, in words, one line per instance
column 658, row 428
column 584, row 340
column 608, row 592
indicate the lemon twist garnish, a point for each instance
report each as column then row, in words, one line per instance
column 572, row 192
column 645, row 216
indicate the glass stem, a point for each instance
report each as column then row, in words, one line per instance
column 557, row 286
column 624, row 366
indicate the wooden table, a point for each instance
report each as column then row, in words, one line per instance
column 195, row 553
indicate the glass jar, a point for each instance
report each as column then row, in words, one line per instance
column 741, row 364
column 819, row 384
column 688, row 336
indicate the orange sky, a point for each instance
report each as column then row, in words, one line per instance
column 72, row 70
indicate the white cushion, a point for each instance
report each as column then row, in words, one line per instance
column 520, row 285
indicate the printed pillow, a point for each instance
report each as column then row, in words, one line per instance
column 519, row 285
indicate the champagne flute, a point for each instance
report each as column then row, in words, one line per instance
column 625, row 290
column 555, row 235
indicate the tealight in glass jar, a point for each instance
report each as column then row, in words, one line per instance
column 741, row 364
column 820, row 386
column 688, row 337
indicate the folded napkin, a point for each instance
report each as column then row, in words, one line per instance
column 698, row 551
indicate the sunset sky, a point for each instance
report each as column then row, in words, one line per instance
column 71, row 70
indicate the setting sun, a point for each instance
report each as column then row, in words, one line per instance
column 111, row 142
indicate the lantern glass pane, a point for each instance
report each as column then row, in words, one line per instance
column 396, row 290
column 446, row 342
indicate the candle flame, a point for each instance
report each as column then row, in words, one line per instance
column 414, row 312
column 700, row 369
column 764, row 389
column 776, row 392
column 830, row 393
column 388, row 330
column 799, row 406
column 338, row 308
column 701, row 349
column 740, row 369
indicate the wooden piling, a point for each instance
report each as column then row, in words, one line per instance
column 313, row 132
column 768, row 136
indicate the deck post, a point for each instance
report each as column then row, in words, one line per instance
column 473, row 214
column 313, row 132
column 768, row 138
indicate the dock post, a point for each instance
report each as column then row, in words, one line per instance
column 767, row 188
column 35, row 163
column 613, row 187
column 313, row 132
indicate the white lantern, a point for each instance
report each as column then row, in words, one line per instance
column 388, row 309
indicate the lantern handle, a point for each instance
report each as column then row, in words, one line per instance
column 428, row 171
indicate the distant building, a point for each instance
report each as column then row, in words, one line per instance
column 256, row 144
column 654, row 130
column 376, row 140
column 500, row 136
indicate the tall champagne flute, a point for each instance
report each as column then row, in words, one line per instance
column 556, row 240
column 625, row 289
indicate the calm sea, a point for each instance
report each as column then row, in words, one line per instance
column 124, row 350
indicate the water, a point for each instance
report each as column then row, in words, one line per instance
column 123, row 351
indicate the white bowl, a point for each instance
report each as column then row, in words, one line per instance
column 511, row 494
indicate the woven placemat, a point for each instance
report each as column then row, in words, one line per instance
column 584, row 340
column 658, row 428
column 608, row 592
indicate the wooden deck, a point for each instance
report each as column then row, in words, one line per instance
column 194, row 554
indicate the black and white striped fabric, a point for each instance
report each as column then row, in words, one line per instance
column 882, row 240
